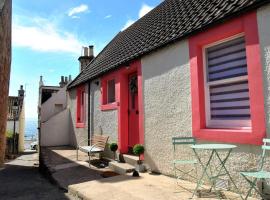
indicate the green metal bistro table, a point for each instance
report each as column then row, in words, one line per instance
column 221, row 169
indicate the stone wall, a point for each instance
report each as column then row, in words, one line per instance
column 77, row 134
column 5, row 61
column 101, row 122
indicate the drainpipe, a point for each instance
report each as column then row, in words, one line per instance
column 89, row 124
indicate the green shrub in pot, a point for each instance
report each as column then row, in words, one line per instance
column 113, row 148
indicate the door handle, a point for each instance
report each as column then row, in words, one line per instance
column 137, row 112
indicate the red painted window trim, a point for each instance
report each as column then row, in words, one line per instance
column 246, row 24
column 80, row 108
column 104, row 86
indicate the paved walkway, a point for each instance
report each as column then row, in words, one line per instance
column 21, row 180
column 86, row 183
column 145, row 187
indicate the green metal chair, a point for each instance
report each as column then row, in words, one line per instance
column 253, row 176
column 181, row 162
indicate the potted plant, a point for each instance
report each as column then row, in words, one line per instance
column 138, row 150
column 113, row 148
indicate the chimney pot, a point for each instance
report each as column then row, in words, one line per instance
column 85, row 51
column 91, row 50
column 41, row 81
column 86, row 57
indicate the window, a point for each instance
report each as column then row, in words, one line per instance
column 226, row 84
column 111, row 91
column 108, row 92
column 80, row 107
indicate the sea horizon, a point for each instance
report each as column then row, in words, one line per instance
column 31, row 131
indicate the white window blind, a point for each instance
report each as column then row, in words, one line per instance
column 227, row 84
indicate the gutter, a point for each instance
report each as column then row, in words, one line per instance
column 88, row 113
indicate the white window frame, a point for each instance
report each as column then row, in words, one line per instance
column 226, row 124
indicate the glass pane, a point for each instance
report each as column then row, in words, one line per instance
column 111, row 91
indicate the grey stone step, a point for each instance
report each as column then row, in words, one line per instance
column 121, row 168
column 131, row 159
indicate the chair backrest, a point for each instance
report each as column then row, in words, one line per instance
column 182, row 141
column 265, row 147
column 100, row 141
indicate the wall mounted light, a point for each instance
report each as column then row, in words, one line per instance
column 127, row 65
column 96, row 82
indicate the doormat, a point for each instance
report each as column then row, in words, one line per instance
column 108, row 174
column 100, row 163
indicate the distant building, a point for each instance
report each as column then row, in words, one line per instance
column 18, row 117
column 5, row 61
column 52, row 113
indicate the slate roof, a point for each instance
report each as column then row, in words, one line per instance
column 170, row 21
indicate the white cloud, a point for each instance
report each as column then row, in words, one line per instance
column 144, row 10
column 75, row 17
column 107, row 16
column 43, row 35
column 79, row 9
column 128, row 24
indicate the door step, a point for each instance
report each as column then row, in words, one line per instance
column 121, row 168
column 130, row 159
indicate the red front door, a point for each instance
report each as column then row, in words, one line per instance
column 133, row 111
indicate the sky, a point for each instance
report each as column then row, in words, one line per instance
column 48, row 35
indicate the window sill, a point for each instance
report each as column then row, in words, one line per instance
column 80, row 125
column 111, row 106
column 239, row 136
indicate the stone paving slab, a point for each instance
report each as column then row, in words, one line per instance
column 145, row 187
column 66, row 170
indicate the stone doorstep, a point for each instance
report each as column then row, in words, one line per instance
column 131, row 159
column 121, row 168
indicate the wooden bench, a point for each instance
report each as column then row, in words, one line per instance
column 97, row 145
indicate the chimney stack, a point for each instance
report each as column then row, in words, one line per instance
column 62, row 82
column 41, row 81
column 86, row 57
column 21, row 93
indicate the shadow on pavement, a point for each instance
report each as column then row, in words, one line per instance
column 21, row 180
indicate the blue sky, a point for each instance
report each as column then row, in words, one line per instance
column 47, row 37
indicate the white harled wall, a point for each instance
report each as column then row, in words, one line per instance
column 263, row 17
column 167, row 105
column 167, row 102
